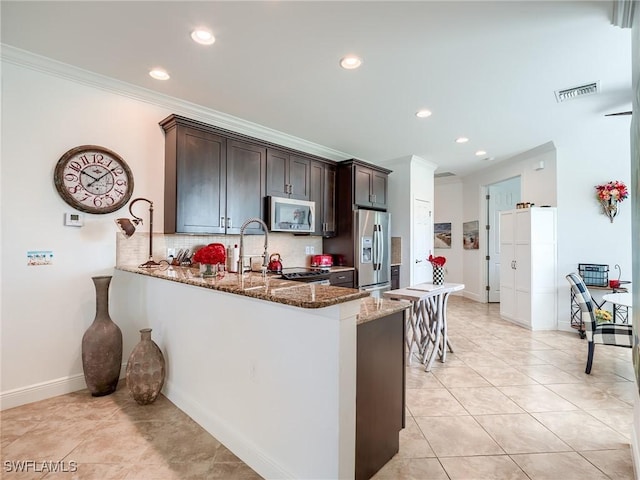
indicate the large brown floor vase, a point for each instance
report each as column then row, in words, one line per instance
column 145, row 369
column 102, row 345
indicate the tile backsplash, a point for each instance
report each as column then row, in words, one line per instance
column 135, row 250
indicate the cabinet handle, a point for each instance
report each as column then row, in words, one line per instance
column 515, row 265
column 342, row 277
column 374, row 198
column 228, row 222
column 222, row 222
column 418, row 261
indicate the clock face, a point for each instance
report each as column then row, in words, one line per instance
column 93, row 179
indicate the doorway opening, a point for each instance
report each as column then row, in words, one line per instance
column 501, row 196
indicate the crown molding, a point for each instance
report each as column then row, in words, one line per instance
column 623, row 11
column 26, row 59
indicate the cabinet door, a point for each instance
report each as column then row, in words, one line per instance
column 342, row 279
column 507, row 281
column 277, row 173
column 299, row 177
column 363, row 179
column 323, row 191
column 395, row 277
column 507, row 265
column 200, row 181
column 329, row 207
column 246, row 165
column 316, row 194
column 379, row 189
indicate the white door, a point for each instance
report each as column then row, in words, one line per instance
column 502, row 196
column 422, row 242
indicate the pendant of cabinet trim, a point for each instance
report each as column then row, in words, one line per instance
column 216, row 179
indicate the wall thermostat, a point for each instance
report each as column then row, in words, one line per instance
column 73, row 219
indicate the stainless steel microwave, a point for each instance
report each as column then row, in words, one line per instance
column 290, row 215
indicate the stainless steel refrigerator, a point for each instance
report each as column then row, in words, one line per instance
column 372, row 245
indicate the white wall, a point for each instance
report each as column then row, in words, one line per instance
column 412, row 178
column 599, row 152
column 585, row 234
column 46, row 309
column 253, row 380
column 537, row 187
column 448, row 209
column 635, row 202
column 47, row 109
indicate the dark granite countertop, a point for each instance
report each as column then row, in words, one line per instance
column 251, row 284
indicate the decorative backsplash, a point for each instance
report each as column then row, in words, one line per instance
column 135, row 250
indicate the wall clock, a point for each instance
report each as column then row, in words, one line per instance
column 93, row 179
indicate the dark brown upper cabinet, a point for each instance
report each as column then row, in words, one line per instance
column 323, row 192
column 288, row 175
column 212, row 183
column 367, row 184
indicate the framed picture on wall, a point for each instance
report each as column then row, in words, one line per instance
column 442, row 235
column 470, row 235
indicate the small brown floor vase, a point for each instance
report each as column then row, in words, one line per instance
column 145, row 369
column 102, row 345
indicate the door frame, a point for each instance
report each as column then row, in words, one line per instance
column 493, row 230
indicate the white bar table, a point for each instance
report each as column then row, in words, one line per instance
column 428, row 322
column 620, row 299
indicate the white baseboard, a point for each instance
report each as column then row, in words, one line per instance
column 565, row 326
column 241, row 447
column 473, row 296
column 44, row 390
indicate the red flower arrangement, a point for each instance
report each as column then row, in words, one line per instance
column 613, row 190
column 212, row 254
column 437, row 261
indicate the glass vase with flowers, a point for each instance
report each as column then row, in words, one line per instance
column 211, row 256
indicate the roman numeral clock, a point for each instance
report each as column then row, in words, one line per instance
column 93, row 179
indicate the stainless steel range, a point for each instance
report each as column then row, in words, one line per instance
column 307, row 275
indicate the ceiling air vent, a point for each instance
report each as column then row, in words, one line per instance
column 575, row 92
column 444, row 174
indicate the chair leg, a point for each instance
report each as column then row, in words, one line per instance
column 589, row 357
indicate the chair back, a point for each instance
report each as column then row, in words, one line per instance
column 583, row 299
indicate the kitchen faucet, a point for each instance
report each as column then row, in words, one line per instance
column 266, row 245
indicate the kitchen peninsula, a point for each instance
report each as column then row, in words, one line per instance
column 270, row 367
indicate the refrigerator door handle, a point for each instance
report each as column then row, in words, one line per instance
column 374, row 253
column 381, row 247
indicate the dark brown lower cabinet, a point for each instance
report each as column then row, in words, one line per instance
column 380, row 394
column 395, row 277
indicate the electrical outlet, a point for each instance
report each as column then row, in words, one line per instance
column 171, row 252
column 312, row 250
column 307, row 250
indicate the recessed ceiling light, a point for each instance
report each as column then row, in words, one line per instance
column 480, row 153
column 159, row 74
column 423, row 113
column 350, row 62
column 203, row 36
column 462, row 140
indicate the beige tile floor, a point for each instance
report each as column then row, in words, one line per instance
column 508, row 404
